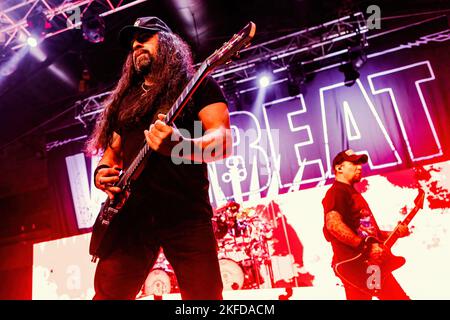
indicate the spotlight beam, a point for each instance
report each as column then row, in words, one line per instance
column 11, row 65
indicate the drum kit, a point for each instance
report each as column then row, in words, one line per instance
column 243, row 237
column 160, row 280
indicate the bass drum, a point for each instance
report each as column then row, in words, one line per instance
column 159, row 282
column 232, row 274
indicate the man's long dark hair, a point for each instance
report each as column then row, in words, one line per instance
column 170, row 71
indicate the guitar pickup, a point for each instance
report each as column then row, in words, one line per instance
column 108, row 214
column 112, row 210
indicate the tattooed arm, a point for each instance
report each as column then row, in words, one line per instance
column 337, row 227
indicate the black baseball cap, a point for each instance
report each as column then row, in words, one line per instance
column 142, row 24
column 349, row 155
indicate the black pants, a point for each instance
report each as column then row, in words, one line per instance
column 190, row 247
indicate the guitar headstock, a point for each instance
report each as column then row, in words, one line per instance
column 232, row 47
column 420, row 199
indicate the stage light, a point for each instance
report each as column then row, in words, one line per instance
column 296, row 79
column 37, row 23
column 264, row 80
column 32, row 41
column 358, row 57
column 93, row 28
column 264, row 73
column 359, row 61
column 350, row 73
column 293, row 86
column 354, row 60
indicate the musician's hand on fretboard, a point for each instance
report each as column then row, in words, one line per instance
column 403, row 230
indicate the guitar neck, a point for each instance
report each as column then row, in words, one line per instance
column 139, row 161
column 393, row 237
column 186, row 94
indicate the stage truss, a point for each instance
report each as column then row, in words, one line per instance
column 307, row 46
column 62, row 15
column 314, row 49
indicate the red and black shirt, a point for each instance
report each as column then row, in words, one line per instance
column 356, row 214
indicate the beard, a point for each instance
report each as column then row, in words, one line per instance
column 143, row 62
column 357, row 177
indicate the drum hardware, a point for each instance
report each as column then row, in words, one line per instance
column 242, row 236
column 232, row 274
column 160, row 280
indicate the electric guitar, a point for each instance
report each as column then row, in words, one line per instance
column 102, row 233
column 366, row 276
